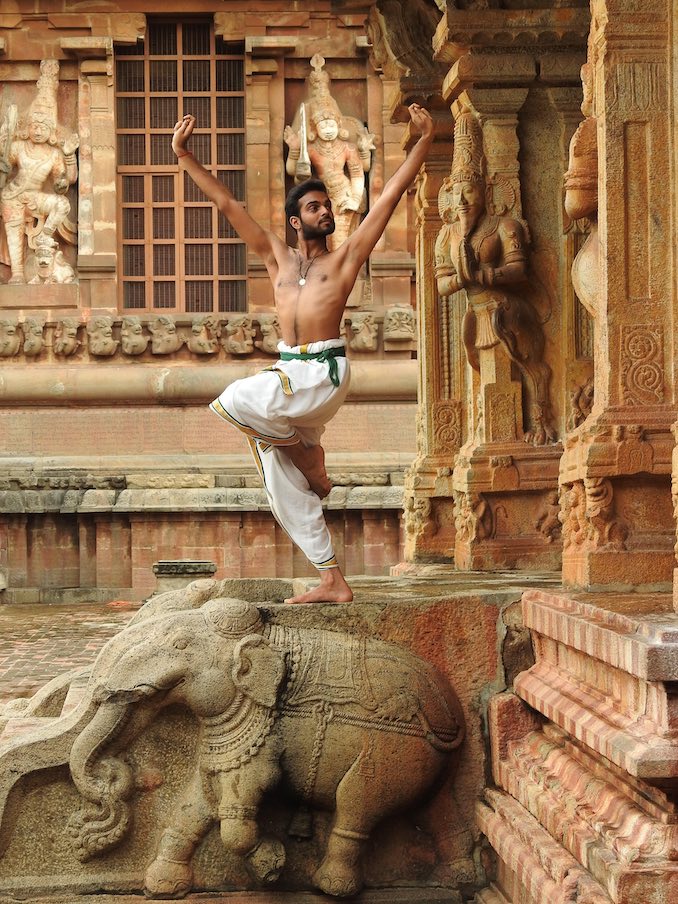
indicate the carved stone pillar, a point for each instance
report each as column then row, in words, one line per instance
column 615, row 473
column 506, row 475
column 429, row 522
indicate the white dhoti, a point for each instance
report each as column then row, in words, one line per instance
column 285, row 404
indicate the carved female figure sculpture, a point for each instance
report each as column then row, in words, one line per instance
column 33, row 201
column 486, row 254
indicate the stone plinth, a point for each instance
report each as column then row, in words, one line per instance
column 464, row 627
column 506, row 507
column 584, row 754
column 173, row 574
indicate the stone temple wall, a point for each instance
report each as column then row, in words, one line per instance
column 107, row 366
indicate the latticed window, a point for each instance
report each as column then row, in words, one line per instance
column 176, row 251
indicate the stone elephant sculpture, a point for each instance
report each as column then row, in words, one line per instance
column 350, row 724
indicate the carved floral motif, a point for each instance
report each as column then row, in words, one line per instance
column 642, row 365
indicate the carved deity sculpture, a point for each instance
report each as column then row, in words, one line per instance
column 581, row 196
column 205, row 334
column 132, row 338
column 36, row 170
column 239, row 335
column 320, row 137
column 485, row 253
column 270, row 333
column 365, row 330
column 66, row 340
column 100, row 337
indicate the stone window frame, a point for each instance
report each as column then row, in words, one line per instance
column 177, row 253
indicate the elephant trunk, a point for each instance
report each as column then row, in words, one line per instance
column 104, row 781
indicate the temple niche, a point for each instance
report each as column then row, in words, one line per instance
column 37, row 169
column 332, row 147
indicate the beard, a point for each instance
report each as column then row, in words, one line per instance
column 317, row 232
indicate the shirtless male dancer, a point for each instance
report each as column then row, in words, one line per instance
column 282, row 410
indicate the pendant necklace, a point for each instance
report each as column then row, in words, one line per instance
column 302, row 275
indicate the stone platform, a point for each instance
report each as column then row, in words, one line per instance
column 385, row 896
column 466, row 625
column 585, row 756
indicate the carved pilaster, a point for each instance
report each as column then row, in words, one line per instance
column 440, row 409
column 635, row 301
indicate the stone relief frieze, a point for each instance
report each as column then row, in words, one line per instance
column 399, row 324
column 420, row 518
column 37, row 168
column 138, row 336
column 547, row 522
column 268, row 708
column 589, row 517
column 581, row 404
column 474, row 518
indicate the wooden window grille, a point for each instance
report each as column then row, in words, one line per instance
column 177, row 252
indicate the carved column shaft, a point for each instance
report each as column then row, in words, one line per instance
column 439, row 413
column 627, row 442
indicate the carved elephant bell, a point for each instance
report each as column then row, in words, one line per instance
column 350, row 724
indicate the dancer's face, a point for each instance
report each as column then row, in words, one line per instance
column 315, row 215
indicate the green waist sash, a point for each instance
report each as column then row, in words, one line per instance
column 327, row 356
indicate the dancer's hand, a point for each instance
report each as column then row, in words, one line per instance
column 421, row 119
column 182, row 132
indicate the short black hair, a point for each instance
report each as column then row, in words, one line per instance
column 296, row 193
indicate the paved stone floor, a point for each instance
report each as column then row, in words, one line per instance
column 39, row 642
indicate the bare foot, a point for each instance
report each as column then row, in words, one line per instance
column 311, row 462
column 332, row 589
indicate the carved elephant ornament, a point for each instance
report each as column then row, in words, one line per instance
column 351, row 724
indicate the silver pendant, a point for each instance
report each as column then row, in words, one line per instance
column 302, row 281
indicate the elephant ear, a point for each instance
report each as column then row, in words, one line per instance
column 258, row 670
